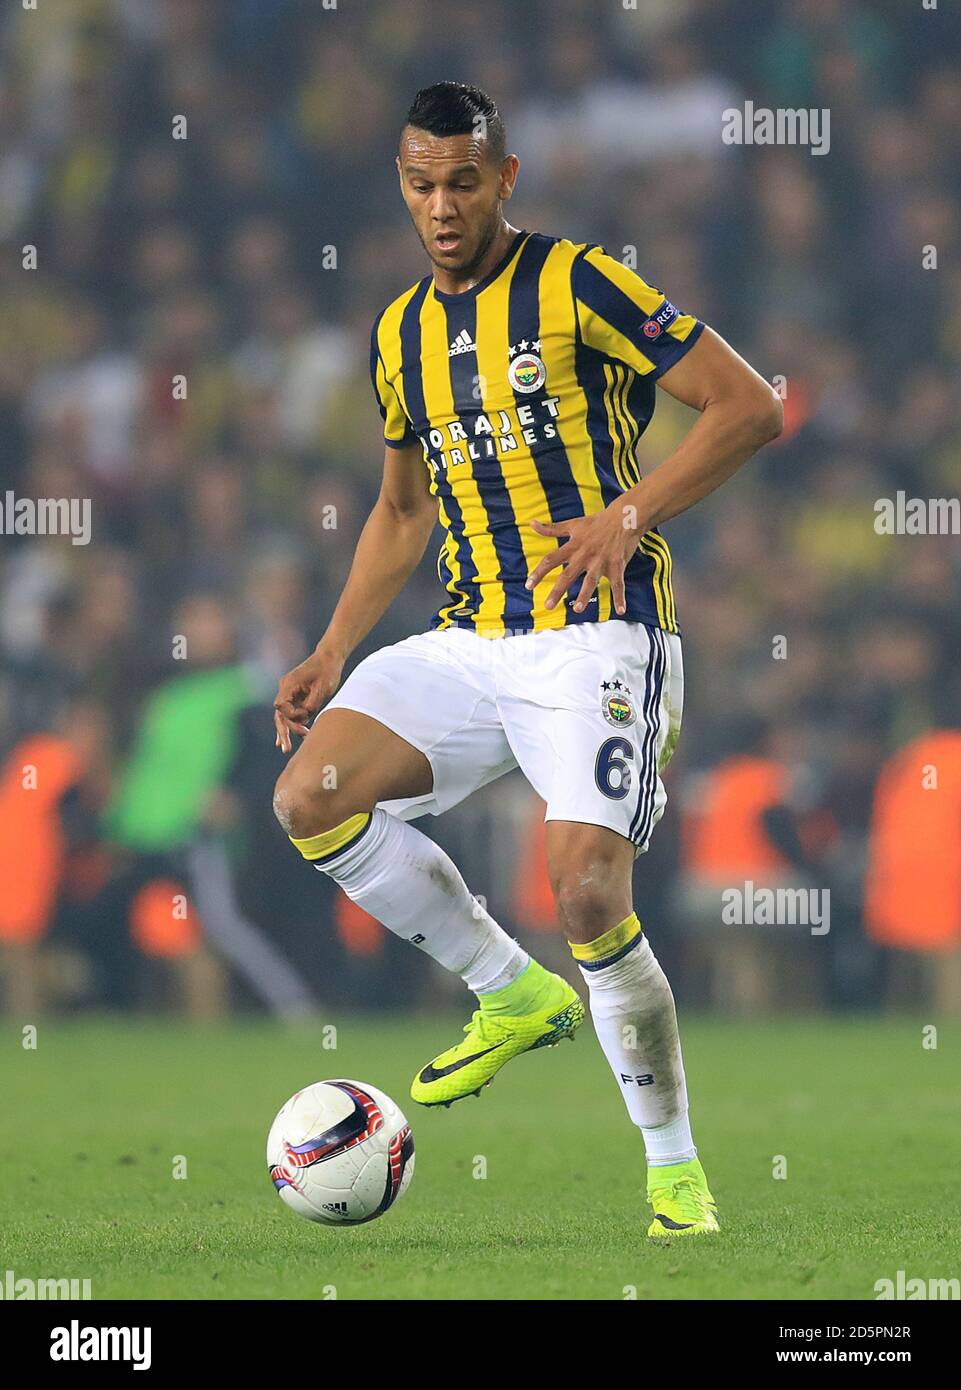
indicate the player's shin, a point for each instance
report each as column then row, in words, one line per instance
column 408, row 883
column 634, row 1016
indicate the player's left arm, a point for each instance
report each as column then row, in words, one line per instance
column 739, row 413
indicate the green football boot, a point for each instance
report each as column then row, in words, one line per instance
column 547, row 1010
column 682, row 1201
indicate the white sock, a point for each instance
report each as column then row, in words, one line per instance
column 410, row 885
column 636, row 1024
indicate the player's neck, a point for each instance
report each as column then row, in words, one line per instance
column 456, row 282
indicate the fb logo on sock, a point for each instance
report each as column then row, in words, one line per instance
column 646, row 1080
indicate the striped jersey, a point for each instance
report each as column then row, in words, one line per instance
column 529, row 393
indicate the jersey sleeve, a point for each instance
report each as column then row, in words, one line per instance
column 398, row 432
column 627, row 319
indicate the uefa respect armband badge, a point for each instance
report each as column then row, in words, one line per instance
column 657, row 323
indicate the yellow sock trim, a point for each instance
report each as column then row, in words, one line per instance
column 331, row 841
column 614, row 940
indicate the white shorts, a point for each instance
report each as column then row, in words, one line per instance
column 590, row 713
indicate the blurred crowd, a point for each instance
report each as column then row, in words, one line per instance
column 210, row 191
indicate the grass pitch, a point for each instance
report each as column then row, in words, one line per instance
column 94, row 1119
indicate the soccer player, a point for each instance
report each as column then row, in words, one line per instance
column 514, row 382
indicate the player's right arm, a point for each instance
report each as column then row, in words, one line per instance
column 390, row 548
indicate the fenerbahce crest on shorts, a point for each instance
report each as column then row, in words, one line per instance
column 616, row 705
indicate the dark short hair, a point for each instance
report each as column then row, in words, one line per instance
column 456, row 108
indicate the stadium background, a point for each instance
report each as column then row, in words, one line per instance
column 250, row 258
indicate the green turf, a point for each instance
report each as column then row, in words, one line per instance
column 93, row 1119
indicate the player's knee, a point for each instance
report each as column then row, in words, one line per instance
column 590, row 896
column 291, row 806
column 304, row 806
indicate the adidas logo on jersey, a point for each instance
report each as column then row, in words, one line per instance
column 462, row 343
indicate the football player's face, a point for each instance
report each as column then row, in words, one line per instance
column 453, row 192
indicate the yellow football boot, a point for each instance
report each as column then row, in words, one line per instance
column 495, row 1035
column 682, row 1201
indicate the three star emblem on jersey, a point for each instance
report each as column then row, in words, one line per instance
column 616, row 705
column 526, row 372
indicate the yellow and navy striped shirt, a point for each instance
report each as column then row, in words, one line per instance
column 529, row 393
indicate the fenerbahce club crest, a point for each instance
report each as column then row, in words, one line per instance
column 526, row 372
column 616, row 705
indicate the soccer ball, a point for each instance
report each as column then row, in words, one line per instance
column 340, row 1152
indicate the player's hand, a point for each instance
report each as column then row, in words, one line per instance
column 302, row 692
column 596, row 547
